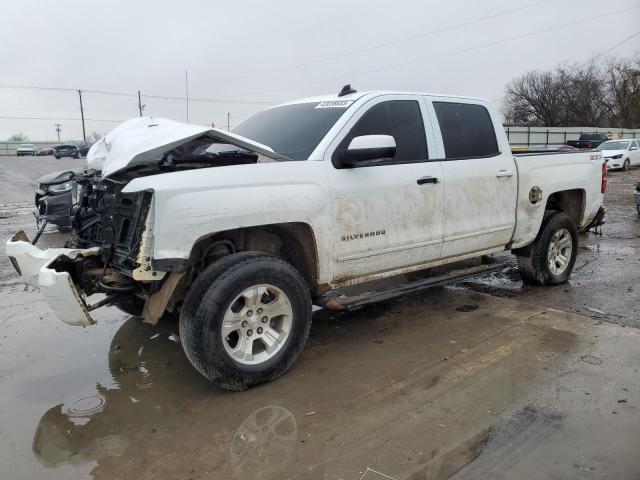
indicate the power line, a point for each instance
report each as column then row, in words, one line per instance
column 70, row 119
column 393, row 42
column 212, row 100
column 29, row 87
column 454, row 52
column 135, row 94
column 616, row 45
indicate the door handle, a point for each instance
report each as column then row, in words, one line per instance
column 504, row 173
column 423, row 180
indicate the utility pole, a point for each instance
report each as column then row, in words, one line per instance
column 228, row 116
column 140, row 106
column 186, row 87
column 58, row 129
column 84, row 133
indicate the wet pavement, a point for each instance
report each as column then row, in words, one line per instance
column 450, row 383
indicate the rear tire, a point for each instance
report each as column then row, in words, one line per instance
column 245, row 320
column 550, row 259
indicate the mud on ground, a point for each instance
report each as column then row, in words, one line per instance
column 486, row 379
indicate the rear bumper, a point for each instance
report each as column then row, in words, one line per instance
column 33, row 265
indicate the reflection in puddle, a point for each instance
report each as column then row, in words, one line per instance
column 263, row 444
column 80, row 411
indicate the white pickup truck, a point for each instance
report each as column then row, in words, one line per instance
column 239, row 233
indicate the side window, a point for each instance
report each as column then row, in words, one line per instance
column 402, row 120
column 634, row 144
column 467, row 130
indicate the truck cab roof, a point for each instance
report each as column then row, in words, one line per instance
column 352, row 97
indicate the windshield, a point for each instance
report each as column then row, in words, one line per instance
column 613, row 145
column 292, row 130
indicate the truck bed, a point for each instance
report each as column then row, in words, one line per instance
column 580, row 172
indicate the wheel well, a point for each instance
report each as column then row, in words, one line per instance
column 570, row 202
column 292, row 242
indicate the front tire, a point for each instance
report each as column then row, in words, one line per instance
column 550, row 259
column 245, row 320
column 625, row 165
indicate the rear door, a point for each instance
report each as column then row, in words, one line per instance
column 387, row 216
column 480, row 179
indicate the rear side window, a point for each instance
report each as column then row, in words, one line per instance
column 399, row 118
column 467, row 130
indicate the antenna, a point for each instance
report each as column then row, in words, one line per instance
column 346, row 90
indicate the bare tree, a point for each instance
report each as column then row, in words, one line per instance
column 584, row 95
column 94, row 137
column 536, row 98
column 18, row 137
column 622, row 78
column 577, row 95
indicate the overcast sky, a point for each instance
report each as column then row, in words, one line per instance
column 271, row 51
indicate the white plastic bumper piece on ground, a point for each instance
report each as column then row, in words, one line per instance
column 58, row 288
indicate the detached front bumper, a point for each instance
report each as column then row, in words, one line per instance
column 33, row 265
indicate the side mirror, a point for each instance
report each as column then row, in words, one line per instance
column 633, row 148
column 367, row 147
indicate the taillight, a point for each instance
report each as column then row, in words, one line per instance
column 590, row 145
column 603, row 186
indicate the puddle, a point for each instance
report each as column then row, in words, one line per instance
column 81, row 410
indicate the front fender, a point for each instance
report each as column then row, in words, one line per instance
column 192, row 204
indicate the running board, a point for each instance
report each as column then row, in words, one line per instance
column 334, row 300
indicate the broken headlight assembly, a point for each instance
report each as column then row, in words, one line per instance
column 60, row 187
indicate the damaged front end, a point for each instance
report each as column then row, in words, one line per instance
column 110, row 253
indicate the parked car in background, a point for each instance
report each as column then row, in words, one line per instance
column 620, row 154
column 83, row 147
column 26, row 149
column 66, row 150
column 46, row 151
column 53, row 198
column 588, row 140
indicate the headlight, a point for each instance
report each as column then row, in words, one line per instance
column 60, row 188
column 616, row 157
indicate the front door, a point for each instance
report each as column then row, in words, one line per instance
column 388, row 215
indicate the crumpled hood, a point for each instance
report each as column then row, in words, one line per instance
column 145, row 139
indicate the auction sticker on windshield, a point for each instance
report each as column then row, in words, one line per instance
column 335, row 104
